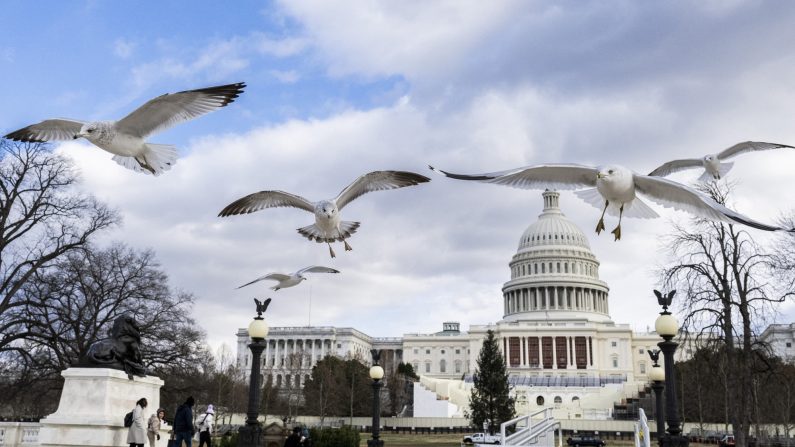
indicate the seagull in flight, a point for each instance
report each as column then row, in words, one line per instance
column 613, row 188
column 713, row 164
column 328, row 226
column 291, row 279
column 126, row 138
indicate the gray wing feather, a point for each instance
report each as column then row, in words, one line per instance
column 48, row 130
column 674, row 195
column 274, row 276
column 676, row 166
column 317, row 269
column 266, row 199
column 749, row 146
column 556, row 176
column 173, row 108
column 378, row 181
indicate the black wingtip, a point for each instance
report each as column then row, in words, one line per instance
column 460, row 176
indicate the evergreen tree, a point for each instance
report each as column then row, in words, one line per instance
column 490, row 401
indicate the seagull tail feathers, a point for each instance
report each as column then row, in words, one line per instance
column 313, row 233
column 161, row 157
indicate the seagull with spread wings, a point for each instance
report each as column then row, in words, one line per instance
column 328, row 226
column 613, row 189
column 713, row 164
column 291, row 279
column 126, row 138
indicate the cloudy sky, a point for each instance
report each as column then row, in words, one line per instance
column 337, row 89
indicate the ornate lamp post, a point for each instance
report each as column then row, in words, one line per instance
column 667, row 326
column 250, row 434
column 376, row 373
column 657, row 377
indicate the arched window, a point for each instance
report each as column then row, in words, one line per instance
column 535, row 267
column 442, row 366
column 540, row 401
column 416, row 366
column 427, row 367
column 575, row 400
column 558, row 400
column 543, row 268
column 458, row 366
column 278, row 380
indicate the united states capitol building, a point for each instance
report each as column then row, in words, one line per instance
column 561, row 348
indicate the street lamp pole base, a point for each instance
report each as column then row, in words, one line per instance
column 674, row 441
column 375, row 443
column 250, row 436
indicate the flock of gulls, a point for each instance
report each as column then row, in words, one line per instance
column 612, row 188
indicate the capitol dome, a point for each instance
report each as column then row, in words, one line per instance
column 554, row 274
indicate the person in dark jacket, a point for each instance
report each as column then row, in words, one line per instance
column 183, row 422
column 294, row 440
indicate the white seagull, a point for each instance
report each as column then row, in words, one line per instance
column 126, row 138
column 615, row 192
column 713, row 164
column 328, row 226
column 292, row 279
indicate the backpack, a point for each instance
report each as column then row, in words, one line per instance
column 128, row 419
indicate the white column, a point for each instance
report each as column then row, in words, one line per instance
column 587, row 352
column 540, row 352
column 574, row 351
column 554, row 354
column 313, row 362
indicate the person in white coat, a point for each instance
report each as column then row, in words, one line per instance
column 206, row 426
column 136, row 434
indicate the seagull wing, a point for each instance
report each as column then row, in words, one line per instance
column 274, row 276
column 557, row 176
column 378, row 181
column 676, row 166
column 749, row 146
column 317, row 269
column 266, row 199
column 674, row 195
column 47, row 130
column 173, row 108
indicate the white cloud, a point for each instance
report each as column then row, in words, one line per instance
column 123, row 48
column 385, row 38
column 285, row 76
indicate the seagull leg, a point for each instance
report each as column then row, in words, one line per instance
column 600, row 226
column 145, row 165
column 347, row 247
column 331, row 250
column 617, row 231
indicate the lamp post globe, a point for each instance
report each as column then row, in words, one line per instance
column 376, row 372
column 258, row 328
column 657, row 374
column 666, row 325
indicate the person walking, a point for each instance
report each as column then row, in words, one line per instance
column 136, row 434
column 183, row 422
column 153, row 427
column 206, row 427
column 294, row 440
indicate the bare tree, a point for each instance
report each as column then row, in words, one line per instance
column 42, row 218
column 726, row 279
column 74, row 304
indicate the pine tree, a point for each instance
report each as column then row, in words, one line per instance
column 490, row 400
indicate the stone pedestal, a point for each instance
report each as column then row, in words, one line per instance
column 92, row 407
